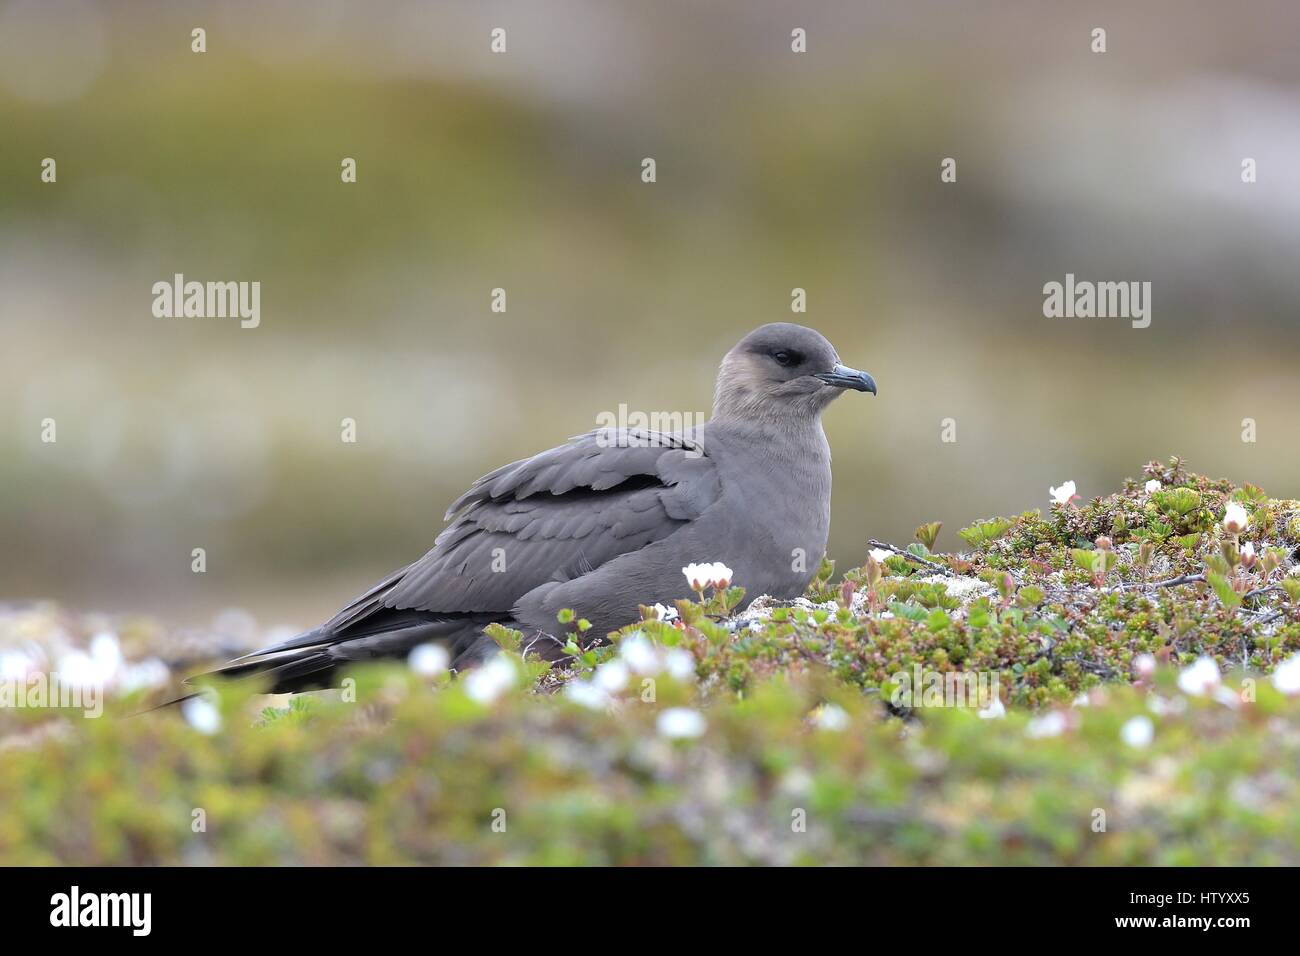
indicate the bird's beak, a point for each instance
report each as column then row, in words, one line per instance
column 841, row 376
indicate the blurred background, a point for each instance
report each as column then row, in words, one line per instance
column 775, row 170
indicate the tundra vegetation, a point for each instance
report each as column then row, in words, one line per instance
column 1143, row 649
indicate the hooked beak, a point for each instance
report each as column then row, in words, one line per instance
column 841, row 376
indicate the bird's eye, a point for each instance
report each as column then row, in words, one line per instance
column 784, row 357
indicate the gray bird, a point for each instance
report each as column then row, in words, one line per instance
column 606, row 522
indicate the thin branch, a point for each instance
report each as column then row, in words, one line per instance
column 904, row 553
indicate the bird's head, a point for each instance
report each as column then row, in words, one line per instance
column 781, row 372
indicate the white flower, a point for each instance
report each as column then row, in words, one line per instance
column 1248, row 551
column 429, row 660
column 1235, row 518
column 1152, row 485
column 1201, row 678
column 148, row 673
column 489, row 681
column 1164, row 706
column 639, row 654
column 79, row 669
column 680, row 664
column 1144, row 665
column 611, row 676
column 832, row 717
column 878, row 555
column 587, row 694
column 1286, row 677
column 1049, row 725
column 701, row 576
column 679, row 723
column 1138, row 731
column 1064, row 494
column 202, row 715
column 15, row 666
column 107, row 654
column 698, row 576
column 664, row 613
column 99, row 668
column 1227, row 696
column 993, row 711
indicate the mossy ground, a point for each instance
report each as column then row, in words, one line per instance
column 773, row 736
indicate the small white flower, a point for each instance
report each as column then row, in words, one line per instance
column 1064, row 494
column 588, row 695
column 150, row 672
column 664, row 613
column 107, row 654
column 1226, row 696
column 201, row 714
column 15, row 666
column 639, row 654
column 878, row 555
column 1165, row 706
column 1248, row 551
column 680, row 663
column 429, row 660
column 489, row 681
column 1138, row 731
column 1152, row 485
column 712, row 574
column 699, row 576
column 832, row 717
column 1201, row 678
column 1235, row 518
column 678, row 723
column 611, row 676
column 1286, row 677
column 1049, row 725
column 993, row 711
column 79, row 669
column 1144, row 665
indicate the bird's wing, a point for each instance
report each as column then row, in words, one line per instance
column 552, row 517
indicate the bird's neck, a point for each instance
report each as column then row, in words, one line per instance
column 798, row 438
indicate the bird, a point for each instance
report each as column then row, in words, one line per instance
column 606, row 522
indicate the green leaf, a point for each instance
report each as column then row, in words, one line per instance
column 1176, row 501
column 937, row 620
column 927, row 534
column 1031, row 596
column 505, row 638
column 1084, row 559
column 983, row 533
column 1229, row 598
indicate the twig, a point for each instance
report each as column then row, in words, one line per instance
column 1181, row 579
column 1266, row 589
column 904, row 553
column 1171, row 582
